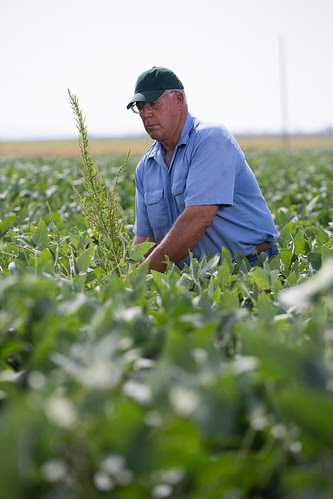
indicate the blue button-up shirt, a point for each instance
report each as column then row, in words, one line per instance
column 207, row 167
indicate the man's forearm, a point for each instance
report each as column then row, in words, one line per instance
column 184, row 235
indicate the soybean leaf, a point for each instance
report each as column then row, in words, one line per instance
column 286, row 257
column 45, row 261
column 6, row 224
column 137, row 253
column 40, row 235
column 79, row 282
column 261, row 277
column 315, row 260
column 292, row 278
column 265, row 308
column 83, row 261
column 224, row 274
column 299, row 243
column 321, row 235
column 226, row 257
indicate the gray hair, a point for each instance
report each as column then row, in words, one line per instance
column 180, row 90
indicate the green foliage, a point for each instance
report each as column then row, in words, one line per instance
column 211, row 381
column 99, row 206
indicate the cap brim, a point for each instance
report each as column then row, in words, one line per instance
column 146, row 96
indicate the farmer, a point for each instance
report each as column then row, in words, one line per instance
column 194, row 189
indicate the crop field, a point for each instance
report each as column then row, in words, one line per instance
column 215, row 381
column 140, row 144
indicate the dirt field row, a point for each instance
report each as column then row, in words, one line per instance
column 139, row 145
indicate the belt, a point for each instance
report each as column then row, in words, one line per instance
column 260, row 248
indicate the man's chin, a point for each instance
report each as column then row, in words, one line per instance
column 153, row 134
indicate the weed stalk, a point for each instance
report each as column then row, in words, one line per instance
column 100, row 207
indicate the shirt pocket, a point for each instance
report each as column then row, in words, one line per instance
column 156, row 209
column 178, row 192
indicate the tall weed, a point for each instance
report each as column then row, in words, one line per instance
column 104, row 216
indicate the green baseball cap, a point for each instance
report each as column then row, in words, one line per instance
column 152, row 83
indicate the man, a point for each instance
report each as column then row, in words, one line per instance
column 194, row 189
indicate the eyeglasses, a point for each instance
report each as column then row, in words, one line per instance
column 138, row 107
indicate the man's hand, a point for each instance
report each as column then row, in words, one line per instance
column 183, row 236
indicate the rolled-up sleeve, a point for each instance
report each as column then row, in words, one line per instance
column 141, row 226
column 211, row 176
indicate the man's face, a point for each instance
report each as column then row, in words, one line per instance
column 162, row 123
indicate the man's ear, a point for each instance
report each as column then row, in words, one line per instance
column 180, row 99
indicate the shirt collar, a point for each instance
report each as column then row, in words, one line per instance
column 188, row 125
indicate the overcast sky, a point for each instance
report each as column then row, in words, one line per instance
column 227, row 54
